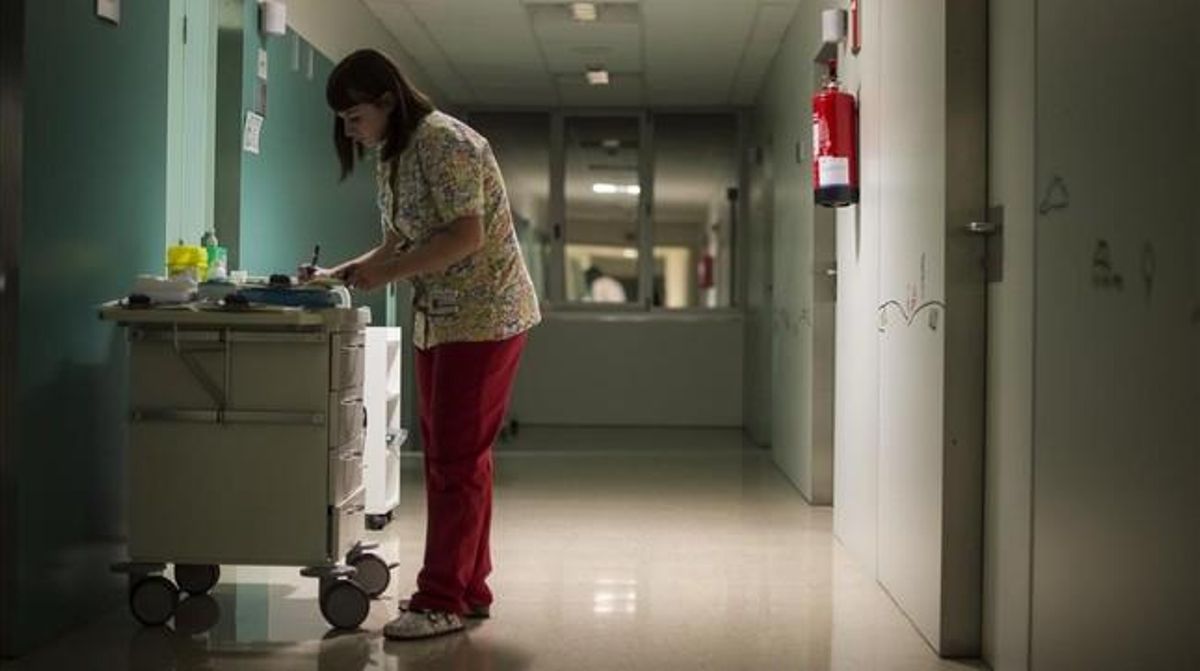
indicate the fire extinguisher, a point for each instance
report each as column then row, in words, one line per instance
column 835, row 144
column 704, row 272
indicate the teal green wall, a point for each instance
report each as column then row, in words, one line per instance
column 94, row 166
column 291, row 197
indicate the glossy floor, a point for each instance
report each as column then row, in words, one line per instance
column 614, row 549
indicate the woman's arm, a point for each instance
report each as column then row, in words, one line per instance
column 346, row 268
column 463, row 237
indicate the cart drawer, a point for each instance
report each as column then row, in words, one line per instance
column 347, row 418
column 345, row 471
column 346, row 365
column 347, row 523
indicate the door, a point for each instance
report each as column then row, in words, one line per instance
column 759, row 301
column 604, row 201
column 1116, row 489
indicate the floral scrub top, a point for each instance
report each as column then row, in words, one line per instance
column 447, row 172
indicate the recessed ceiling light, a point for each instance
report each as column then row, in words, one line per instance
column 597, row 76
column 583, row 11
column 616, row 189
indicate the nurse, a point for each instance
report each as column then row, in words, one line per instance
column 447, row 229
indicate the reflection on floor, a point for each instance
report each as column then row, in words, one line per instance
column 614, row 549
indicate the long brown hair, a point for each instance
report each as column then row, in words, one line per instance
column 365, row 76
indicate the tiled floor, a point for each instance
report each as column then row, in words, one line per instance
column 614, row 549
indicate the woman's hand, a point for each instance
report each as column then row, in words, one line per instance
column 306, row 272
column 368, row 276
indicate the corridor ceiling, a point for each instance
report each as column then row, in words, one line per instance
column 532, row 53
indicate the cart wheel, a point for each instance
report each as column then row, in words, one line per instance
column 153, row 599
column 197, row 578
column 197, row 614
column 345, row 604
column 377, row 522
column 372, row 573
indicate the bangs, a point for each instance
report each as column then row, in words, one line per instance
column 349, row 86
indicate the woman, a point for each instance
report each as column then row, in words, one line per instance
column 448, row 229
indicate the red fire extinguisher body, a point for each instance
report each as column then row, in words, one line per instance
column 835, row 147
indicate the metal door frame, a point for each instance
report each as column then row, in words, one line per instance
column 12, row 183
column 556, row 268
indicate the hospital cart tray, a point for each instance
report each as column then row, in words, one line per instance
column 245, row 447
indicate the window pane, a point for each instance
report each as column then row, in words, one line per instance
column 521, row 143
column 695, row 167
column 602, row 191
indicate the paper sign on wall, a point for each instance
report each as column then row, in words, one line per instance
column 253, row 131
column 262, row 64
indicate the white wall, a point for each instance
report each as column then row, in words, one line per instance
column 856, row 415
column 911, row 366
column 338, row 28
column 1116, row 508
column 632, row 369
column 1010, row 370
column 783, row 126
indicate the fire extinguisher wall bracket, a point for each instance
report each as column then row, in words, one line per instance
column 835, row 145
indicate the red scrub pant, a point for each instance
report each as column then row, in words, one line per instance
column 464, row 393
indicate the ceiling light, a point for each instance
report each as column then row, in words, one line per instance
column 606, row 188
column 583, row 11
column 597, row 76
column 630, row 254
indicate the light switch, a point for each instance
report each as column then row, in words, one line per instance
column 109, row 10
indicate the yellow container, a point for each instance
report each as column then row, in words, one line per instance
column 190, row 260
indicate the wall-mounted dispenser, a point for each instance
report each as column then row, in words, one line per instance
column 272, row 17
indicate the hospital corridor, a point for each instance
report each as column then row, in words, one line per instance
column 626, row 335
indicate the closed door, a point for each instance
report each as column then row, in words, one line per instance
column 1116, row 469
column 759, row 300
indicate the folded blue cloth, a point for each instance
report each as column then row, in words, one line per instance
column 290, row 297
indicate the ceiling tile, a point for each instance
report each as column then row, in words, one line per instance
column 701, row 40
column 623, row 90
column 770, row 27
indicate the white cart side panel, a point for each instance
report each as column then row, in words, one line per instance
column 375, row 398
column 229, row 494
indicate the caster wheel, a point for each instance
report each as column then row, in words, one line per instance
column 377, row 522
column 344, row 604
column 197, row 578
column 153, row 600
column 372, row 573
column 197, row 614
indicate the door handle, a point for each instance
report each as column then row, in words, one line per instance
column 983, row 228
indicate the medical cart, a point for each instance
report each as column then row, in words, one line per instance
column 246, row 448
